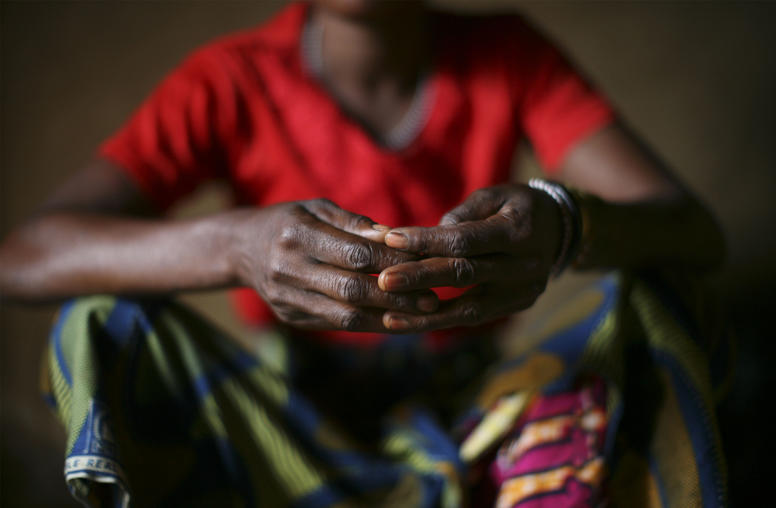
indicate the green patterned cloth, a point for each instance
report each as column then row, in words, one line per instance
column 163, row 409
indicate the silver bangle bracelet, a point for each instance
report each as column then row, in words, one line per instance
column 570, row 217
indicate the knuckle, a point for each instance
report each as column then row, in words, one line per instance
column 352, row 290
column 422, row 324
column 512, row 214
column 401, row 302
column 349, row 320
column 520, row 225
column 459, row 245
column 321, row 201
column 276, row 276
column 293, row 207
column 451, row 218
column 463, row 270
column 283, row 269
column 298, row 210
column 359, row 256
column 361, row 221
column 277, row 270
column 471, row 313
column 291, row 235
column 284, row 312
column 275, row 300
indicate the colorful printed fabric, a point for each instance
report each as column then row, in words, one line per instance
column 614, row 406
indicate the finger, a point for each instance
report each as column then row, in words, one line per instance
column 479, row 205
column 318, row 311
column 327, row 211
column 325, row 243
column 491, row 235
column 315, row 311
column 457, row 272
column 472, row 308
column 358, row 289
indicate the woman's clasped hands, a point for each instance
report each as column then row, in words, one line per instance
column 319, row 262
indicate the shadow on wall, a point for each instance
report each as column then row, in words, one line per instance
column 696, row 80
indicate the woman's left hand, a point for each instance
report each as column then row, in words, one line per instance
column 502, row 241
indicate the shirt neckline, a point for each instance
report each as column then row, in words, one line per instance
column 413, row 122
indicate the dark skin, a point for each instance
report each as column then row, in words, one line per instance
column 312, row 261
column 504, row 239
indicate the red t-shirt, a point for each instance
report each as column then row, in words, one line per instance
column 246, row 109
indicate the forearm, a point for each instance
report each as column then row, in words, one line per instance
column 635, row 212
column 64, row 254
column 676, row 231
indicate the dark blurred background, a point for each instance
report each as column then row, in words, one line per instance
column 696, row 79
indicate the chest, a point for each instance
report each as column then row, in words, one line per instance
column 302, row 145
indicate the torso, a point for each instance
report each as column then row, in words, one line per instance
column 305, row 146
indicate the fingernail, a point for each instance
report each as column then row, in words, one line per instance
column 381, row 227
column 394, row 281
column 397, row 240
column 397, row 323
column 427, row 303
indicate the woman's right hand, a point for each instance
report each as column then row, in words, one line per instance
column 313, row 263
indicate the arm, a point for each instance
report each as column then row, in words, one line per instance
column 504, row 239
column 310, row 260
column 644, row 216
column 95, row 234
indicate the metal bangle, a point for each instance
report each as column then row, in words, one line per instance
column 570, row 216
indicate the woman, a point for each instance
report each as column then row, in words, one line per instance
column 395, row 114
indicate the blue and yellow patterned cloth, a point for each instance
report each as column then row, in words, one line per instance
column 615, row 404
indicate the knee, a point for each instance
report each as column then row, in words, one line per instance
column 108, row 317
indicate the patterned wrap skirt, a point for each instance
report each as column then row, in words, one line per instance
column 614, row 406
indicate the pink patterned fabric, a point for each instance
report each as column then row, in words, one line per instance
column 554, row 455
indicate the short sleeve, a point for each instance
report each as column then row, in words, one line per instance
column 557, row 107
column 173, row 141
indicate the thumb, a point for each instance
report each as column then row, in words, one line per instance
column 327, row 211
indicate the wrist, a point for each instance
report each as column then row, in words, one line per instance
column 570, row 221
column 233, row 231
column 588, row 206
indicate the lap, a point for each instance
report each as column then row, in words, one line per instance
column 159, row 403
